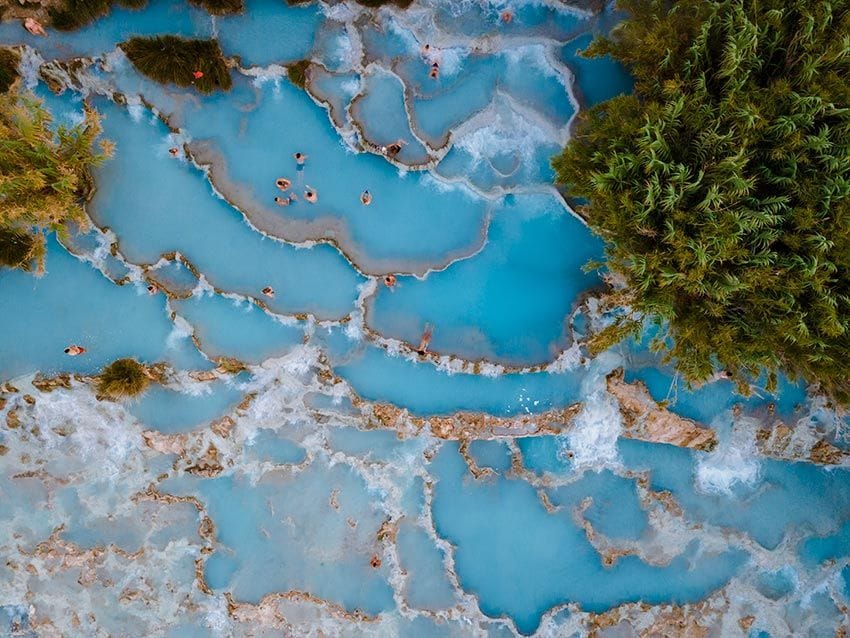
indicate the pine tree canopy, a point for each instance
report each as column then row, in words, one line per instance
column 722, row 185
column 44, row 175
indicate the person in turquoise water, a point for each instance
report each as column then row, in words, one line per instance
column 425, row 340
column 300, row 160
column 366, row 198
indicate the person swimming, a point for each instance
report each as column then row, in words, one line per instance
column 310, row 195
column 425, row 340
column 34, row 26
column 282, row 201
column 366, row 198
column 300, row 160
column 153, row 289
column 506, row 16
column 282, row 183
column 435, row 71
column 74, row 350
column 394, row 148
column 173, row 151
column 268, row 291
column 390, row 281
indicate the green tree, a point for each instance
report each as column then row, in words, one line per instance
column 721, row 185
column 44, row 175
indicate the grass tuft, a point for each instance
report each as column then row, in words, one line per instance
column 123, row 378
column 297, row 72
column 172, row 59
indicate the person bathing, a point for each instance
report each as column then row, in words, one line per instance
column 394, row 149
column 425, row 340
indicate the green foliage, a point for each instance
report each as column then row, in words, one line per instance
column 220, row 7
column 172, row 59
column 44, row 175
column 297, row 72
column 722, row 186
column 78, row 13
column 9, row 59
column 123, row 378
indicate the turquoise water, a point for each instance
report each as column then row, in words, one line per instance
column 274, row 501
column 522, row 323
column 170, row 410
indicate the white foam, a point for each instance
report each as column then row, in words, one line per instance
column 534, row 56
column 352, row 87
column 135, row 108
column 217, row 618
column 504, row 129
column 28, row 67
column 347, row 50
column 568, row 360
column 491, row 370
column 593, row 437
column 182, row 330
column 354, row 328
column 734, row 462
column 451, row 61
column 340, row 12
column 203, row 287
column 264, row 74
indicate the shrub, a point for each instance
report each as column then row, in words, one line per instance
column 220, row 7
column 44, row 175
column 172, row 59
column 123, row 378
column 722, row 187
column 16, row 248
column 78, row 13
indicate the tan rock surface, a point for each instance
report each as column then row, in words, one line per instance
column 644, row 419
